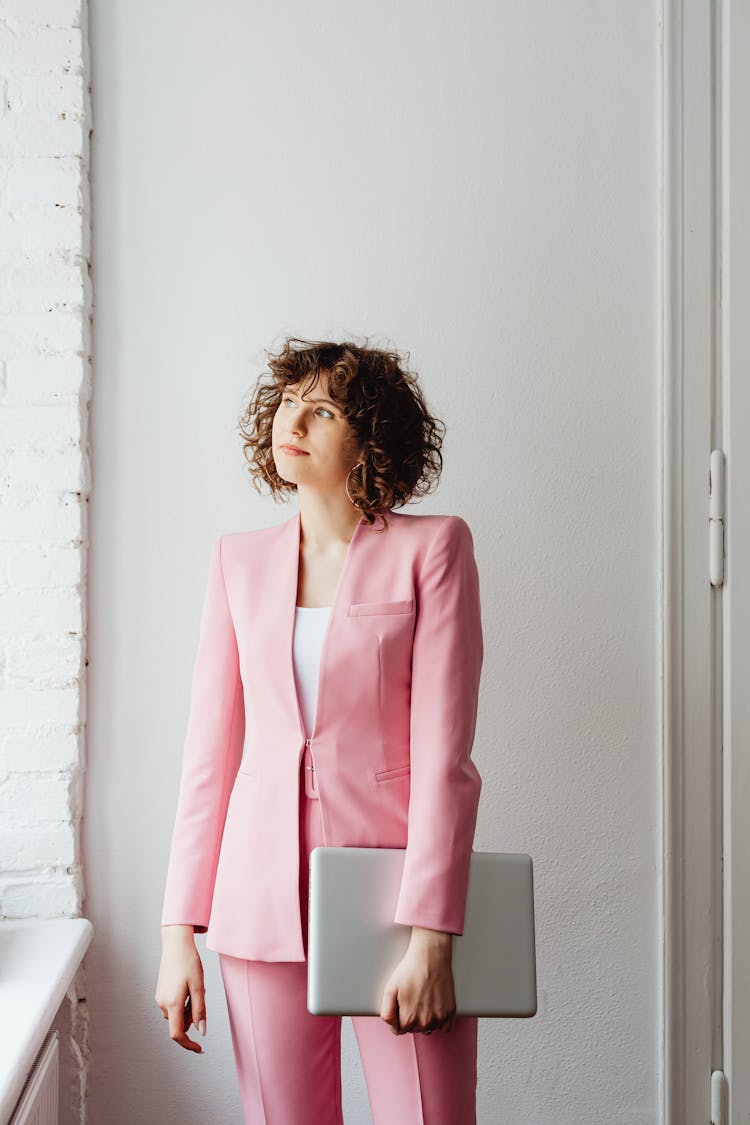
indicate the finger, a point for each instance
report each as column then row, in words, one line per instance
column 176, row 1016
column 426, row 1020
column 401, row 1024
column 389, row 1009
column 198, row 1003
column 189, row 1044
column 177, row 1027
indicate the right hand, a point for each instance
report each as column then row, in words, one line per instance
column 180, row 975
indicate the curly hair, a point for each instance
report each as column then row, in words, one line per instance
column 383, row 404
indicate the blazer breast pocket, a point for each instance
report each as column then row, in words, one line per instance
column 361, row 609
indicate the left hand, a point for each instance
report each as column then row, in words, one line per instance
column 419, row 993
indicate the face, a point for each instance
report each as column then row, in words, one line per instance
column 319, row 428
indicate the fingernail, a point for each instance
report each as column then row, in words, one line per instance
column 202, row 1027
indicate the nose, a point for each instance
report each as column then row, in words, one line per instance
column 298, row 425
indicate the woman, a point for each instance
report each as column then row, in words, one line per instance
column 333, row 703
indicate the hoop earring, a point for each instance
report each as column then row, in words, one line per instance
column 346, row 484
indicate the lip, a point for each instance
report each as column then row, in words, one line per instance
column 293, row 449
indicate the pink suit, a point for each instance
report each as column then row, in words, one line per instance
column 396, row 713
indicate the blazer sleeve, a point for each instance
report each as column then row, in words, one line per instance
column 211, row 755
column 445, row 784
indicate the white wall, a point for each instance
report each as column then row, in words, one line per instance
column 477, row 185
column 45, row 306
column 45, row 386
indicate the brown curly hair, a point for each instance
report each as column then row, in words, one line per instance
column 382, row 402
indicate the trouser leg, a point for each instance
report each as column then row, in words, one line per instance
column 288, row 1061
column 418, row 1079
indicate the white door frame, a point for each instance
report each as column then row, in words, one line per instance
column 705, row 320
column 736, row 622
column 688, row 336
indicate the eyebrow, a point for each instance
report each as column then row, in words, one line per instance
column 296, row 395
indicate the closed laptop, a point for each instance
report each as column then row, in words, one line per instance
column 354, row 945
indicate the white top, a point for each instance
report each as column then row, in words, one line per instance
column 310, row 623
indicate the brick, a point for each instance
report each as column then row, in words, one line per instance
column 64, row 470
column 28, row 233
column 44, row 662
column 52, row 612
column 38, row 49
column 64, row 522
column 51, row 286
column 36, row 378
column 41, row 136
column 43, row 898
column 51, row 799
column 57, row 750
column 54, row 95
column 54, row 13
column 21, row 708
column 47, row 332
column 38, row 428
column 29, row 848
column 45, row 180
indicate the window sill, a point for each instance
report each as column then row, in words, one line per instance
column 39, row 957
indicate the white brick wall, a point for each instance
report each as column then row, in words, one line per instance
column 45, row 386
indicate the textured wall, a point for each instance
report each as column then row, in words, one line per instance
column 45, row 388
column 478, row 184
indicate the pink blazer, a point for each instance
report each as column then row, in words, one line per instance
column 396, row 712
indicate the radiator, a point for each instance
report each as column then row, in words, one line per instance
column 38, row 1102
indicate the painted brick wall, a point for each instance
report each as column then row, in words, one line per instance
column 45, row 387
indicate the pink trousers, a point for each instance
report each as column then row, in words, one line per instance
column 288, row 1061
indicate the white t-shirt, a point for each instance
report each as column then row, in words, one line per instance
column 310, row 624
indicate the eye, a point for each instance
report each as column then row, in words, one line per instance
column 325, row 409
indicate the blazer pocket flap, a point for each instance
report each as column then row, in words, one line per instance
column 359, row 609
column 396, row 771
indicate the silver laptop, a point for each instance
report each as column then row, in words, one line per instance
column 354, row 945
